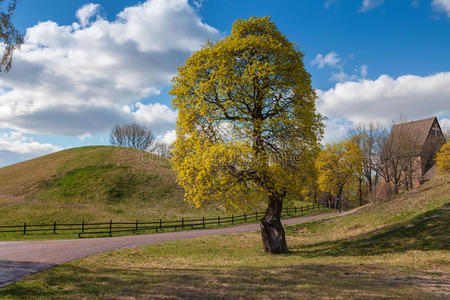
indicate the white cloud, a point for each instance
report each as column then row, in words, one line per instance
column 364, row 71
column 16, row 142
column 370, row 4
column 73, row 80
column 169, row 137
column 341, row 76
column 86, row 12
column 442, row 5
column 331, row 59
column 386, row 98
column 158, row 117
column 445, row 124
column 15, row 148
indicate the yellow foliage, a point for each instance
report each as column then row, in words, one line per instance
column 247, row 126
column 339, row 166
column 443, row 159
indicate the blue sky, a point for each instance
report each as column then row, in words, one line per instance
column 87, row 65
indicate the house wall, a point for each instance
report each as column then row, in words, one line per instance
column 432, row 145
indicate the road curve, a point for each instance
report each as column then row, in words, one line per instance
column 19, row 259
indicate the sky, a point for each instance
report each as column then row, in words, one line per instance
column 86, row 66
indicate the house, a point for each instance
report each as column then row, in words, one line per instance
column 420, row 139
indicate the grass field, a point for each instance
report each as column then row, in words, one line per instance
column 393, row 250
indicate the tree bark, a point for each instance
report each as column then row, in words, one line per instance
column 272, row 231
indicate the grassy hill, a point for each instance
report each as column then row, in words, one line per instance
column 93, row 183
column 395, row 249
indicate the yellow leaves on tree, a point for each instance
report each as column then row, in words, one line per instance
column 443, row 159
column 340, row 167
column 247, row 129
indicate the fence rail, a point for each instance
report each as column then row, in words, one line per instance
column 113, row 227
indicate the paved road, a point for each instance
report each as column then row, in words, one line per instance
column 19, row 259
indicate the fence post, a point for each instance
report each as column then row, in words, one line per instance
column 218, row 220
column 295, row 210
column 160, row 224
column 54, row 227
column 82, row 227
column 182, row 222
column 256, row 215
column 136, row 226
column 245, row 217
column 232, row 219
column 203, row 219
column 110, row 228
column 25, row 228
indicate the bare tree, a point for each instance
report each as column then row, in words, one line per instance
column 162, row 149
column 132, row 136
column 398, row 158
column 9, row 35
column 367, row 137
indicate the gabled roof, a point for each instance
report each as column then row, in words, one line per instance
column 415, row 130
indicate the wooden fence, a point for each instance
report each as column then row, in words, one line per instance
column 113, row 227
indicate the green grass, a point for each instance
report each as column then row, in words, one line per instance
column 393, row 250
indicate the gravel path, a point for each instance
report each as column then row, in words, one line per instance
column 19, row 259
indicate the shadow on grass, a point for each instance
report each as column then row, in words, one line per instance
column 428, row 231
column 305, row 281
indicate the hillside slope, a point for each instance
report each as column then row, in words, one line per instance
column 399, row 249
column 93, row 183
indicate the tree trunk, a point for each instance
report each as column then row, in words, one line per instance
column 360, row 191
column 272, row 231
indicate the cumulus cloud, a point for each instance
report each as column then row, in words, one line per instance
column 76, row 80
column 157, row 116
column 342, row 76
column 385, row 99
column 15, row 147
column 370, row 4
column 16, row 142
column 331, row 59
column 442, row 5
column 86, row 12
column 169, row 137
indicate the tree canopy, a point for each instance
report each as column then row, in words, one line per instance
column 340, row 167
column 443, row 159
column 247, row 127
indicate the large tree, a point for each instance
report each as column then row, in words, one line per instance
column 247, row 128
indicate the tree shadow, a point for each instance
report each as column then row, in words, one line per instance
column 304, row 281
column 426, row 232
